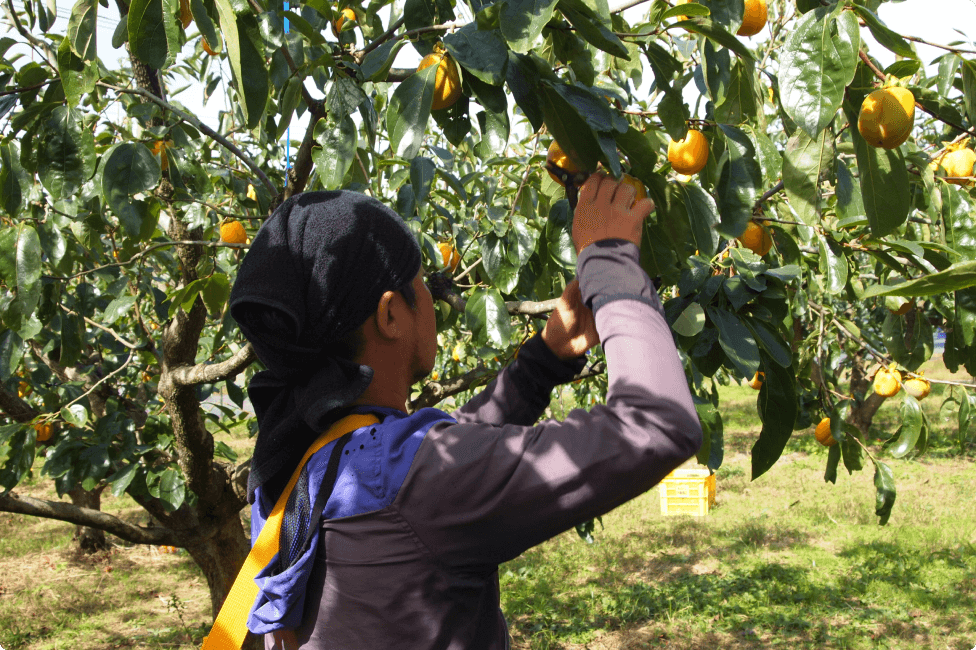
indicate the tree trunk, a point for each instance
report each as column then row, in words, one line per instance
column 220, row 558
column 862, row 415
column 90, row 540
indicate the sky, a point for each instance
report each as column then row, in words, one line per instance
column 933, row 20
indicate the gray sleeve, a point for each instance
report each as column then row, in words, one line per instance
column 478, row 494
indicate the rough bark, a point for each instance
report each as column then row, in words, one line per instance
column 90, row 540
column 862, row 415
column 220, row 558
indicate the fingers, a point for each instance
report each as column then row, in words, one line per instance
column 588, row 191
column 643, row 208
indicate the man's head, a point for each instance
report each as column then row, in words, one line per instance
column 316, row 273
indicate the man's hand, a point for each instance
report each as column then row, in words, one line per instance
column 606, row 210
column 570, row 330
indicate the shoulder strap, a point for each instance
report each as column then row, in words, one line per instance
column 230, row 628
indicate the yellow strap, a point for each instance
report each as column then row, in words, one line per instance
column 230, row 628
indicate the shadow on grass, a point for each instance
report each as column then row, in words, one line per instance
column 685, row 577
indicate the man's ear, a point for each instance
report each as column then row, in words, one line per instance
column 387, row 325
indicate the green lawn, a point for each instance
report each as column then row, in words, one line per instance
column 784, row 561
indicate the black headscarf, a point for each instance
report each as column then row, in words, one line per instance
column 317, row 267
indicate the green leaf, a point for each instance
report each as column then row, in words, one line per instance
column 11, row 353
column 559, row 240
column 592, row 27
column 522, row 21
column 75, row 415
column 117, row 308
column 882, row 34
column 850, row 450
column 910, row 427
column 147, row 32
column 771, row 341
column 215, row 293
column 884, row 482
column 202, row 21
column 121, row 479
column 751, row 268
column 741, row 102
column 964, row 310
column 674, row 114
column 833, row 460
column 422, row 172
column 712, row 451
column 703, row 215
column 691, row 321
column 640, row 152
column 245, row 54
column 171, row 489
column 129, row 168
column 803, row 163
column 849, row 203
column 524, row 84
column 65, row 152
column 72, row 343
column 494, row 134
column 965, row 421
column 13, row 181
column 291, row 96
column 818, row 61
column 956, row 277
column 483, row 54
column 725, row 13
column 778, row 409
column 739, row 182
column 570, row 130
column 959, row 215
column 885, row 189
column 486, row 315
column 77, row 76
column 28, row 263
column 81, row 32
column 969, row 88
column 337, row 153
column 909, row 339
column 454, row 120
column 408, row 112
column 715, row 32
column 833, row 265
column 736, row 340
column 592, row 107
column 376, row 66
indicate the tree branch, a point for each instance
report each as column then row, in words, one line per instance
column 433, row 392
column 227, row 144
column 208, row 373
column 441, row 288
column 15, row 408
column 302, row 167
column 143, row 253
column 24, row 505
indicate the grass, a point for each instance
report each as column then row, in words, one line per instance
column 783, row 561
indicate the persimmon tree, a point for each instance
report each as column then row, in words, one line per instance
column 115, row 279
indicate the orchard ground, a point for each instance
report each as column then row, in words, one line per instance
column 786, row 561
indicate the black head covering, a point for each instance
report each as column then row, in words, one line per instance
column 318, row 267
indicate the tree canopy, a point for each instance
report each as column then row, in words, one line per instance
column 115, row 279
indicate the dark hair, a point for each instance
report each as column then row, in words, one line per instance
column 271, row 322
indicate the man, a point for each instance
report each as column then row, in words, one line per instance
column 424, row 507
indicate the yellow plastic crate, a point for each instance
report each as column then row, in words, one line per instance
column 688, row 492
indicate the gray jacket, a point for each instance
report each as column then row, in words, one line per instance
column 422, row 572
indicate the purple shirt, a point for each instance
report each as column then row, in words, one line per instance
column 492, row 481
